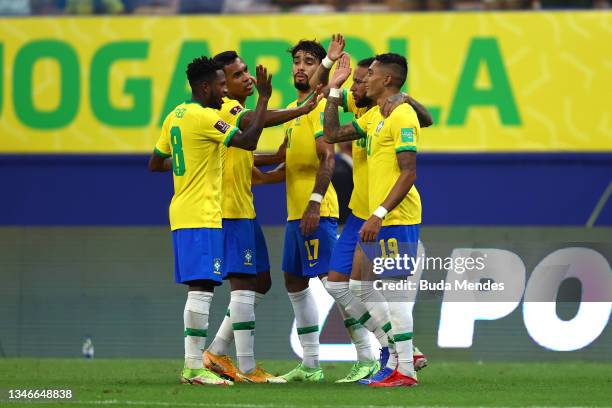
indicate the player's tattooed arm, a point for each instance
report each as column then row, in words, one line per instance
column 312, row 214
column 334, row 52
column 157, row 163
column 266, row 159
column 425, row 119
column 269, row 177
column 332, row 131
column 392, row 102
column 407, row 164
column 248, row 139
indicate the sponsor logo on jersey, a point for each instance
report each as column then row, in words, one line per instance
column 236, row 109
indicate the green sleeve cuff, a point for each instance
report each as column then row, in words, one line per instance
column 318, row 134
column 161, row 154
column 230, row 135
column 345, row 100
column 240, row 117
column 359, row 129
column 406, row 149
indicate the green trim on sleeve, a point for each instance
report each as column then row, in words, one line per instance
column 240, row 117
column 161, row 154
column 318, row 134
column 230, row 135
column 345, row 100
column 359, row 129
column 406, row 149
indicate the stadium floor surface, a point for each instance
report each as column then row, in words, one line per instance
column 154, row 383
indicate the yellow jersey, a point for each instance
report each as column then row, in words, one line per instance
column 194, row 136
column 385, row 138
column 237, row 197
column 359, row 198
column 302, row 163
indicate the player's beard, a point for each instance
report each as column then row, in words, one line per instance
column 363, row 102
column 216, row 103
column 301, row 86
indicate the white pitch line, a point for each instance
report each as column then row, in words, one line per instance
column 600, row 205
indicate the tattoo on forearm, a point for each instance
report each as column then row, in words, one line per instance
column 331, row 124
column 331, row 121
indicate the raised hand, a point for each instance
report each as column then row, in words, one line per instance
column 263, row 81
column 336, row 46
column 313, row 101
column 342, row 71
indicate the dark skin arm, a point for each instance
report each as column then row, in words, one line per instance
column 425, row 119
column 266, row 159
column 312, row 214
column 279, row 116
column 269, row 177
column 248, row 139
column 160, row 164
column 407, row 165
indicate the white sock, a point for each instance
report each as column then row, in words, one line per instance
column 392, row 362
column 352, row 310
column 402, row 324
column 401, row 320
column 242, row 313
column 307, row 321
column 225, row 335
column 195, row 319
column 377, row 319
column 360, row 336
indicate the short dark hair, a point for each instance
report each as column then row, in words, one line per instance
column 397, row 63
column 225, row 58
column 202, row 69
column 311, row 47
column 366, row 62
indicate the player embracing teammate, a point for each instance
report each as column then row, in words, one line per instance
column 216, row 235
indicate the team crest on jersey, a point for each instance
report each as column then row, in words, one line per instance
column 380, row 125
column 217, row 263
column 248, row 257
column 179, row 112
column 407, row 135
column 236, row 110
column 221, row 126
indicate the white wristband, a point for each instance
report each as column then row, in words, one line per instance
column 335, row 92
column 327, row 62
column 316, row 197
column 380, row 212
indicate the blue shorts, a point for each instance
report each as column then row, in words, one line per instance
column 198, row 254
column 342, row 256
column 309, row 256
column 245, row 247
column 393, row 241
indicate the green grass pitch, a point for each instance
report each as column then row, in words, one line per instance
column 154, row 383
